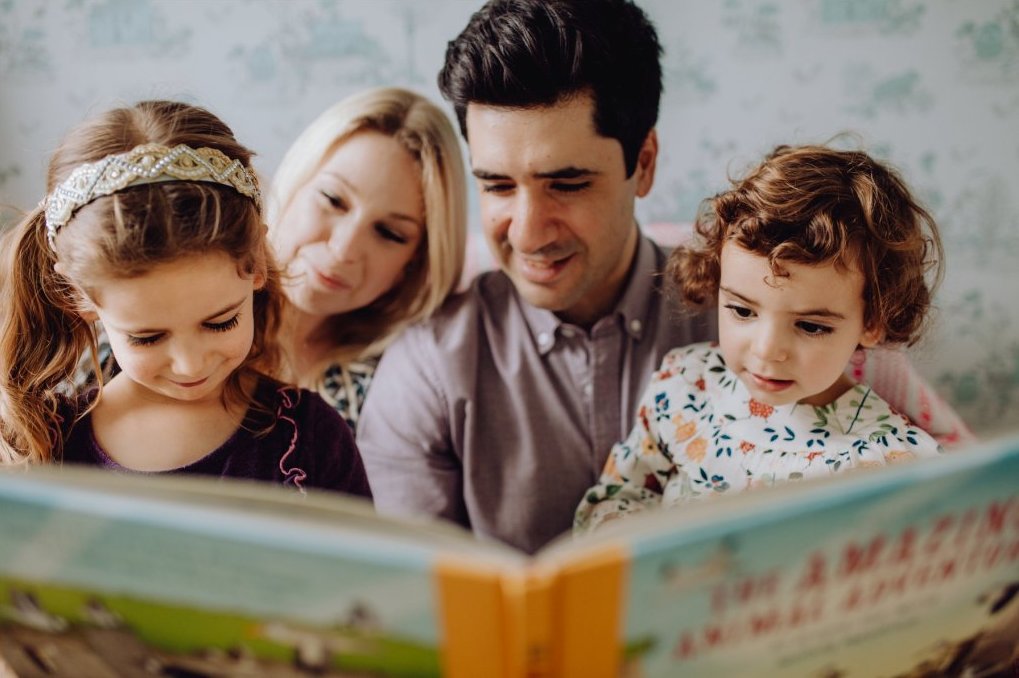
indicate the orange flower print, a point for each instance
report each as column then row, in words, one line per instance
column 696, row 448
column 759, row 409
column 611, row 470
column 684, row 428
column 648, row 446
column 746, row 447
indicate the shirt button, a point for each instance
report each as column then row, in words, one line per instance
column 588, row 390
column 568, row 332
column 635, row 325
column 544, row 339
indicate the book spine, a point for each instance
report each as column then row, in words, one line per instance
column 537, row 622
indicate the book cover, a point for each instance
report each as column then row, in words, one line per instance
column 911, row 570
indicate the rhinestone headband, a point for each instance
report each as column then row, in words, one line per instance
column 146, row 164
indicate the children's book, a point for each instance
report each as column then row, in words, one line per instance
column 909, row 570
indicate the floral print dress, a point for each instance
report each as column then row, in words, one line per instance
column 345, row 387
column 699, row 434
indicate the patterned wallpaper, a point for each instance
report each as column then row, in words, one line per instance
column 932, row 86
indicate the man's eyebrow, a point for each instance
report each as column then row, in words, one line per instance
column 561, row 173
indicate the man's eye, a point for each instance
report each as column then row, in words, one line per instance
column 571, row 187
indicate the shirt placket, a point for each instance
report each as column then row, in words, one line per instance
column 605, row 349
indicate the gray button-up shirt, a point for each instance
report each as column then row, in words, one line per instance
column 498, row 415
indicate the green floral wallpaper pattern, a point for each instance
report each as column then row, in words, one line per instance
column 932, row 86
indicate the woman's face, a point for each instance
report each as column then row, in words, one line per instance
column 349, row 233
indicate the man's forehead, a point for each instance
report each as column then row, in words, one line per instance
column 537, row 140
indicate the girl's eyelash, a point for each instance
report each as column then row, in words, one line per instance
column 224, row 326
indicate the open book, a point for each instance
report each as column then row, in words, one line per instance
column 911, row 570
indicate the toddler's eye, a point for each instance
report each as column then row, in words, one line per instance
column 739, row 311
column 814, row 329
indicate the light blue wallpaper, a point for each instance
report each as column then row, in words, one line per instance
column 933, row 87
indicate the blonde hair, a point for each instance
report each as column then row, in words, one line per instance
column 427, row 134
column 43, row 334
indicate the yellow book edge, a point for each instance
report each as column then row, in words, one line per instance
column 543, row 620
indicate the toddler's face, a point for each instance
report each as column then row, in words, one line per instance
column 789, row 339
column 182, row 328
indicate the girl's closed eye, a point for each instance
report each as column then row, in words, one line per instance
column 147, row 340
column 224, row 326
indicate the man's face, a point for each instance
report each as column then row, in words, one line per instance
column 556, row 205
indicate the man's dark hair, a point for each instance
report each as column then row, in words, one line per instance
column 530, row 53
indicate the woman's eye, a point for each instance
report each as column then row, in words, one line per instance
column 225, row 325
column 334, row 201
column 390, row 234
column 496, row 188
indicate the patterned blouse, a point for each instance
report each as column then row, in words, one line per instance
column 699, row 433
column 345, row 386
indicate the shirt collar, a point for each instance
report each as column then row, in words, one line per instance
column 631, row 310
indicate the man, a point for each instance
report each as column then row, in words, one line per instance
column 499, row 412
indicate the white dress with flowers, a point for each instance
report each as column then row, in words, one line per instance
column 699, row 433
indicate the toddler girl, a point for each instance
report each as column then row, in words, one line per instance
column 815, row 254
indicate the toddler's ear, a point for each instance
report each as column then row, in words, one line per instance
column 872, row 337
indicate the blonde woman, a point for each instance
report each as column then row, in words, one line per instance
column 367, row 214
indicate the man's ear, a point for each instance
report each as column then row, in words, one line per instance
column 647, row 158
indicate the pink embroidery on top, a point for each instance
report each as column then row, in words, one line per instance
column 294, row 475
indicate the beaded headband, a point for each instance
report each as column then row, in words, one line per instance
column 146, row 164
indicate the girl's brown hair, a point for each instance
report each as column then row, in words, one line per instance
column 817, row 205
column 42, row 332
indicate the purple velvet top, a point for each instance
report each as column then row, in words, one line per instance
column 308, row 446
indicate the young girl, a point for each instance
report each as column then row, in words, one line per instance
column 152, row 225
column 815, row 254
column 368, row 215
